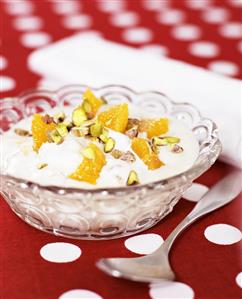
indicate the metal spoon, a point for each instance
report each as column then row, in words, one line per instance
column 155, row 267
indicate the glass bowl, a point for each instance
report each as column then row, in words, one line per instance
column 108, row 212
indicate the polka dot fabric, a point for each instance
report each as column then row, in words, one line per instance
column 206, row 33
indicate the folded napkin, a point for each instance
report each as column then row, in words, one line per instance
column 88, row 59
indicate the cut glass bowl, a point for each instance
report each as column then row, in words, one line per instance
column 108, row 212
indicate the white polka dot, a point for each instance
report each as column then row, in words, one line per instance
column 240, row 46
column 198, row 4
column 222, row 234
column 66, row 7
column 6, row 83
column 195, row 192
column 215, row 15
column 144, row 244
column 224, row 67
column 238, row 279
column 48, row 83
column 156, row 49
column 60, row 252
column 111, row 6
column 36, row 39
column 137, row 35
column 231, row 30
column 204, row 49
column 236, row 3
column 156, row 4
column 170, row 289
column 125, row 19
column 77, row 21
column 3, row 62
column 171, row 17
column 186, row 32
column 80, row 294
column 28, row 23
column 19, row 8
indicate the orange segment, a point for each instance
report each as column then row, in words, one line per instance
column 143, row 150
column 95, row 103
column 40, row 131
column 115, row 118
column 90, row 169
column 154, row 127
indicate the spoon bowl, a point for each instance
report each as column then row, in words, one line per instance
column 151, row 268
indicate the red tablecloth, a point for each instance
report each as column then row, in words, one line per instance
column 202, row 32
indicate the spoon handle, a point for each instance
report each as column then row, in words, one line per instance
column 219, row 195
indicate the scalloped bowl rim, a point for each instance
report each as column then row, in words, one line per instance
column 150, row 185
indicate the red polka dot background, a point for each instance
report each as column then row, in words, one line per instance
column 205, row 33
column 207, row 259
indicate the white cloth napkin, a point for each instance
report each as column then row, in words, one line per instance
column 88, row 59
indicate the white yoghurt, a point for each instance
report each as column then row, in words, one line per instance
column 19, row 160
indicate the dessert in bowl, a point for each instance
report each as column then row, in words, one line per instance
column 100, row 163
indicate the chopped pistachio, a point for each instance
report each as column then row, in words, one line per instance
column 159, row 141
column 88, row 123
column 175, row 148
column 22, row 132
column 132, row 178
column 47, row 119
column 109, row 145
column 96, row 129
column 88, row 153
column 55, row 137
column 125, row 156
column 59, row 117
column 104, row 136
column 128, row 157
column 76, row 131
column 42, row 165
column 87, row 106
column 83, row 129
column 92, row 139
column 116, row 153
column 90, row 114
column 78, row 116
column 62, row 129
column 133, row 132
column 172, row 140
column 132, row 122
column 80, row 131
column 69, row 125
column 155, row 149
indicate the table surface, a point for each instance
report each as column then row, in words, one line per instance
column 204, row 33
